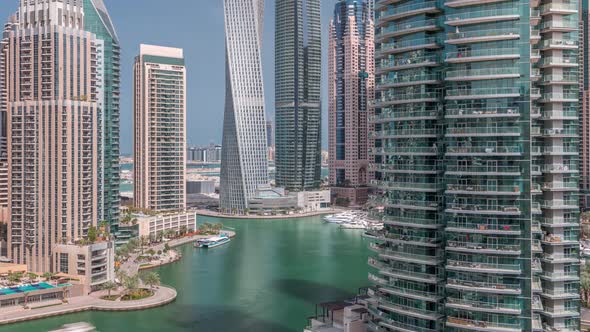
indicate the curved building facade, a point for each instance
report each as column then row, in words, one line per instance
column 244, row 165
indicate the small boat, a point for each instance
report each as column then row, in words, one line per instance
column 339, row 218
column 76, row 327
column 352, row 225
column 212, row 242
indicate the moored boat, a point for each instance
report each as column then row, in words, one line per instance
column 212, row 242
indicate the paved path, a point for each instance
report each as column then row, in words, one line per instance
column 209, row 213
column 163, row 295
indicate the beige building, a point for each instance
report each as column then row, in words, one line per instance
column 159, row 129
column 53, row 133
column 152, row 225
column 92, row 264
column 314, row 201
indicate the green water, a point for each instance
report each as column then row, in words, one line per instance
column 269, row 278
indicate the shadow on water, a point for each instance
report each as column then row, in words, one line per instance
column 310, row 291
column 220, row 319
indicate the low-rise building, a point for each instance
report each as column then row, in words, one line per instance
column 272, row 200
column 7, row 268
column 314, row 201
column 339, row 317
column 91, row 264
column 151, row 225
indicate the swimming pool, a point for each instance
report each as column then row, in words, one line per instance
column 24, row 289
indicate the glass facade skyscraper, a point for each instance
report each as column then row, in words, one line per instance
column 476, row 160
column 298, row 73
column 244, row 166
column 98, row 21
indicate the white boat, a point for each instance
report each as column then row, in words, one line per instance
column 339, row 218
column 353, row 225
column 76, row 327
column 212, row 242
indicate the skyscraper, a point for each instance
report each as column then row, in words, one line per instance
column 243, row 158
column 98, row 21
column 53, row 130
column 159, row 129
column 584, row 63
column 476, row 153
column 298, row 73
column 351, row 85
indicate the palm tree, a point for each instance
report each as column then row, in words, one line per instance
column 143, row 241
column 47, row 276
column 131, row 284
column 585, row 284
column 121, row 276
column 151, row 279
column 109, row 286
column 32, row 276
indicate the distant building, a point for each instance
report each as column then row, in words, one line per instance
column 159, row 129
column 584, row 114
column 270, row 134
column 270, row 200
column 152, row 225
column 351, row 77
column 200, row 187
column 92, row 264
column 313, row 201
column 206, row 154
column 244, row 165
column 298, row 73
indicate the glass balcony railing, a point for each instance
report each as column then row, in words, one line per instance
column 559, row 43
column 404, row 168
column 559, row 25
column 558, row 257
column 404, row 132
column 411, row 185
column 482, row 169
column 404, row 150
column 485, row 227
column 559, row 7
column 482, row 92
column 401, row 272
column 488, row 52
column 408, row 203
column 414, row 43
column 558, row 185
column 410, row 61
column 483, row 131
column 491, row 305
column 473, row 15
column 403, row 79
column 558, row 115
column 476, row 208
column 512, row 189
column 385, row 320
column 482, row 112
column 484, row 285
column 559, row 203
column 499, row 150
column 560, row 61
column 559, row 221
column 404, row 26
column 396, row 115
column 389, row 305
column 484, row 34
column 400, row 10
column 483, row 246
column 560, row 149
column 482, row 72
column 483, row 266
column 400, row 290
column 492, row 326
column 407, row 96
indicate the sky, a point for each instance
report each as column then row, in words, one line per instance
column 197, row 27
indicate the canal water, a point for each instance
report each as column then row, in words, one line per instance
column 269, row 278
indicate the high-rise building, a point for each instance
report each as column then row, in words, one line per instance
column 476, row 158
column 351, row 85
column 4, row 121
column 53, row 130
column 584, row 64
column 298, row 72
column 98, row 21
column 243, row 158
column 159, row 129
column 270, row 134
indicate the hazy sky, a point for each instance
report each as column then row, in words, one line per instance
column 197, row 27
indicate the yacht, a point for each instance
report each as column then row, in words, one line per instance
column 76, row 327
column 340, row 218
column 212, row 242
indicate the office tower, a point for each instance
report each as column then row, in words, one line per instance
column 270, row 134
column 243, row 157
column 3, row 120
column 476, row 148
column 98, row 21
column 298, row 72
column 159, row 129
column 53, row 130
column 351, row 85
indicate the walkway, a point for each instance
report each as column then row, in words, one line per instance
column 163, row 295
column 209, row 213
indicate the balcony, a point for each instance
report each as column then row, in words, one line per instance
column 559, row 222
column 561, row 258
column 426, row 205
column 463, row 3
column 385, row 66
column 407, row 98
column 487, row 54
column 388, row 116
column 484, row 151
column 559, row 8
column 404, row 133
column 406, row 46
column 483, row 170
column 403, row 274
column 482, row 74
column 505, row 210
column 406, row 186
column 479, row 36
column 560, row 276
column 406, row 10
column 559, row 44
column 493, row 130
column 477, row 325
column 560, row 186
column 560, row 150
column 560, row 79
column 405, row 169
column 494, row 190
column 481, row 112
column 403, row 256
column 484, row 248
column 402, row 80
column 559, row 26
column 400, row 29
column 482, row 16
column 560, row 204
column 481, row 306
column 481, row 93
column 392, row 289
column 500, row 229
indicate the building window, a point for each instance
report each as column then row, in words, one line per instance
column 64, row 263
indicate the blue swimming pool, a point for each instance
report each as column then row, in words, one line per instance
column 24, row 289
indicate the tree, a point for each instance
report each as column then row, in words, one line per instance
column 123, row 251
column 131, row 283
column 92, row 234
column 47, row 276
column 151, row 279
column 166, row 247
column 183, row 230
column 585, row 284
column 32, row 276
column 109, row 286
column 121, row 276
column 14, row 277
column 143, row 241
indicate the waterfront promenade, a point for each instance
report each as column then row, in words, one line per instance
column 214, row 214
column 162, row 296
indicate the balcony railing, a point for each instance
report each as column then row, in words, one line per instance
column 483, row 72
column 487, row 52
column 492, row 33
